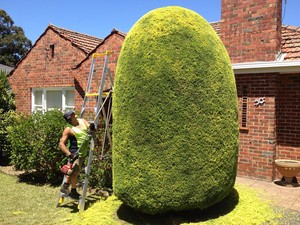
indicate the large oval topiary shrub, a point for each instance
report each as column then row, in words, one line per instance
column 175, row 131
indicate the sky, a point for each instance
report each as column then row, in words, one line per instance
column 98, row 18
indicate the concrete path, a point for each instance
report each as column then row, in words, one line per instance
column 287, row 197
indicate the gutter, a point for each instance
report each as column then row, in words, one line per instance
column 267, row 67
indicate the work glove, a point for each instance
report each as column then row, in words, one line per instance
column 73, row 156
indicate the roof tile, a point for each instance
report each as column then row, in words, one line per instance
column 85, row 42
column 290, row 43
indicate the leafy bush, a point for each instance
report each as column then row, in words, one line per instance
column 7, row 106
column 101, row 171
column 7, row 101
column 34, row 144
column 9, row 118
column 175, row 133
column 101, row 168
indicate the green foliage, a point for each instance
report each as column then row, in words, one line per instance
column 251, row 209
column 101, row 168
column 101, row 174
column 32, row 204
column 13, row 42
column 7, row 119
column 7, row 105
column 7, row 101
column 34, row 144
column 29, row 204
column 175, row 133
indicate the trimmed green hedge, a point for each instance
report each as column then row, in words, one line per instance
column 175, row 132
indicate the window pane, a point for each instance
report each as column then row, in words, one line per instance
column 38, row 97
column 70, row 98
column 54, row 100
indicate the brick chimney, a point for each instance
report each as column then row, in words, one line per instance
column 251, row 29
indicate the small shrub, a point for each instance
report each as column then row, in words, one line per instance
column 7, row 98
column 101, row 168
column 101, row 171
column 34, row 144
column 9, row 118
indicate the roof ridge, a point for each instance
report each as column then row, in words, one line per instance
column 72, row 31
column 118, row 31
column 296, row 28
column 83, row 41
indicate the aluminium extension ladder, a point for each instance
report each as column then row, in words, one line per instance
column 92, row 96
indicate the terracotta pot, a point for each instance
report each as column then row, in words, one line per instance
column 287, row 168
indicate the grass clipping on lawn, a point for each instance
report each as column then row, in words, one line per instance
column 246, row 207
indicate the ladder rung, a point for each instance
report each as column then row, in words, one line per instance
column 105, row 93
column 101, row 93
column 102, row 54
column 91, row 94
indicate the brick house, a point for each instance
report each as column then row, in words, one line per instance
column 53, row 74
column 265, row 57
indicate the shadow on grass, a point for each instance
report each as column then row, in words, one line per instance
column 35, row 178
column 173, row 218
column 73, row 204
column 29, row 177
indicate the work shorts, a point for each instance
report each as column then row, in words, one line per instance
column 77, row 164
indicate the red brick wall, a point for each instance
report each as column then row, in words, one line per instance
column 258, row 138
column 112, row 43
column 251, row 30
column 273, row 129
column 288, row 118
column 40, row 69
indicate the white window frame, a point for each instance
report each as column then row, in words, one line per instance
column 44, row 98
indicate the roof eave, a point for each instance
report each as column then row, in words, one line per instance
column 267, row 67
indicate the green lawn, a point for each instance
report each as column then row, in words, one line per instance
column 23, row 203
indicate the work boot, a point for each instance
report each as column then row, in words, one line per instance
column 74, row 194
column 65, row 188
